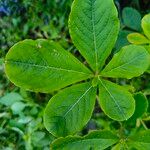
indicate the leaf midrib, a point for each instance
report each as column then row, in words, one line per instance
column 94, row 34
column 43, row 66
column 77, row 101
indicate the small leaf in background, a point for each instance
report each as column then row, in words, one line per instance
column 115, row 101
column 69, row 110
column 146, row 25
column 18, row 107
column 96, row 140
column 10, row 98
column 131, row 18
column 140, row 141
column 137, row 38
column 121, row 40
column 141, row 106
column 131, row 61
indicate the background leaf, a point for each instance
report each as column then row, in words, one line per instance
column 146, row 25
column 141, row 106
column 137, row 38
column 115, row 101
column 97, row 140
column 131, row 61
column 131, row 18
column 43, row 66
column 69, row 111
column 10, row 98
column 94, row 27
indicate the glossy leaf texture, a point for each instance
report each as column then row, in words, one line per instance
column 115, row 101
column 140, row 141
column 97, row 140
column 137, row 38
column 146, row 25
column 94, row 27
column 131, row 61
column 43, row 65
column 69, row 111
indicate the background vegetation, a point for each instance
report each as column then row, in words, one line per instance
column 21, row 124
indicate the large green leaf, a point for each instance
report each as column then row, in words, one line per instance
column 43, row 66
column 68, row 111
column 146, row 25
column 94, row 27
column 131, row 61
column 140, row 141
column 96, row 140
column 115, row 101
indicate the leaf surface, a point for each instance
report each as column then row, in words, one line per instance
column 140, row 141
column 94, row 27
column 141, row 106
column 146, row 25
column 97, row 140
column 137, row 38
column 43, row 66
column 131, row 18
column 69, row 111
column 131, row 61
column 115, row 101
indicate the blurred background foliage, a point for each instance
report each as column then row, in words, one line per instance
column 21, row 124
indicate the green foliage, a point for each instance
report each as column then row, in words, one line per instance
column 141, row 105
column 131, row 18
column 71, row 105
column 129, row 62
column 98, row 140
column 31, row 64
column 46, row 63
column 140, row 39
column 115, row 101
column 94, row 28
column 140, row 141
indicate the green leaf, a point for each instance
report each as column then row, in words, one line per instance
column 115, row 101
column 141, row 106
column 69, row 110
column 146, row 25
column 94, row 27
column 131, row 61
column 147, row 47
column 43, row 66
column 96, row 140
column 18, row 107
column 137, row 38
column 10, row 98
column 121, row 146
column 129, row 14
column 140, row 141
